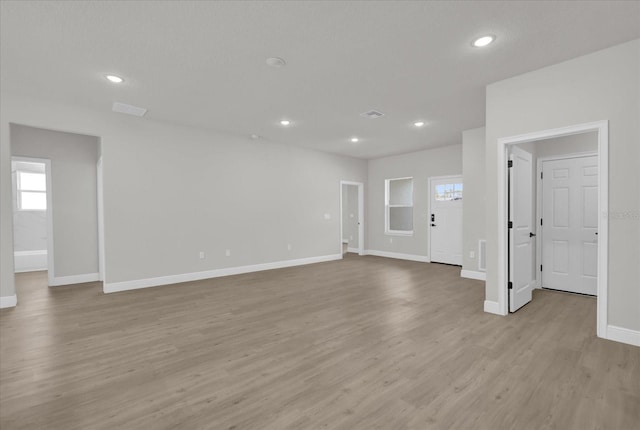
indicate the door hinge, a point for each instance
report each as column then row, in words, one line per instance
column 510, row 285
column 540, row 175
column 510, row 225
column 510, row 163
column 540, row 221
column 541, row 267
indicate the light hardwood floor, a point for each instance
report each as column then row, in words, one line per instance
column 361, row 343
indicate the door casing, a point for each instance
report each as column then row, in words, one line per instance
column 602, row 128
column 360, row 186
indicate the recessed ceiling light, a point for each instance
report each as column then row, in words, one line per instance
column 285, row 122
column 254, row 137
column 418, row 123
column 115, row 79
column 276, row 62
column 483, row 41
column 354, row 139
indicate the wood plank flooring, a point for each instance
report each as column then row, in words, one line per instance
column 361, row 343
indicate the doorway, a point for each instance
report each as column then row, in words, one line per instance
column 73, row 247
column 507, row 259
column 351, row 217
column 445, row 219
column 32, row 232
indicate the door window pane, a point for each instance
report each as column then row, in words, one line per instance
column 448, row 192
column 32, row 181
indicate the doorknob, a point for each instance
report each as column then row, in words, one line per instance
column 532, row 234
column 433, row 225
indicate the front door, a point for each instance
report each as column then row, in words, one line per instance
column 445, row 222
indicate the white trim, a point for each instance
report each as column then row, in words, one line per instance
column 624, row 335
column 410, row 257
column 602, row 127
column 100, row 204
column 387, row 206
column 114, row 287
column 492, row 307
column 472, row 274
column 29, row 261
column 539, row 185
column 8, row 301
column 360, row 185
column 399, row 232
column 354, row 250
column 75, row 279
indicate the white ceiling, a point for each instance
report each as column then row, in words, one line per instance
column 203, row 63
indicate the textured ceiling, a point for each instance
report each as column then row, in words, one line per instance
column 203, row 63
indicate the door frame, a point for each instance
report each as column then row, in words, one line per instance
column 602, row 128
column 100, row 207
column 429, row 183
column 49, row 211
column 360, row 186
column 539, row 185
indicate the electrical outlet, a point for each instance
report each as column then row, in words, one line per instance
column 390, row 240
column 350, row 238
column 472, row 254
column 289, row 246
column 350, row 215
column 228, row 252
column 201, row 255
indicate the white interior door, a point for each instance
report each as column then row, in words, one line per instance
column 570, row 224
column 521, row 236
column 445, row 226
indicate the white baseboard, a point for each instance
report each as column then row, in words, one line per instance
column 492, row 307
column 115, row 287
column 8, row 301
column 30, row 261
column 356, row 250
column 624, row 335
column 411, row 257
column 75, row 279
column 472, row 274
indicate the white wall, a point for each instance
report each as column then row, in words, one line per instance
column 30, row 230
column 576, row 143
column 601, row 86
column 171, row 192
column 419, row 165
column 73, row 177
column 473, row 215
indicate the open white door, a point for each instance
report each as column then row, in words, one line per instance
column 521, row 274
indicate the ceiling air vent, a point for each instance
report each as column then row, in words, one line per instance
column 129, row 109
column 372, row 114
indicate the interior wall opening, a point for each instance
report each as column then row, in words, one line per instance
column 559, row 233
column 59, row 216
